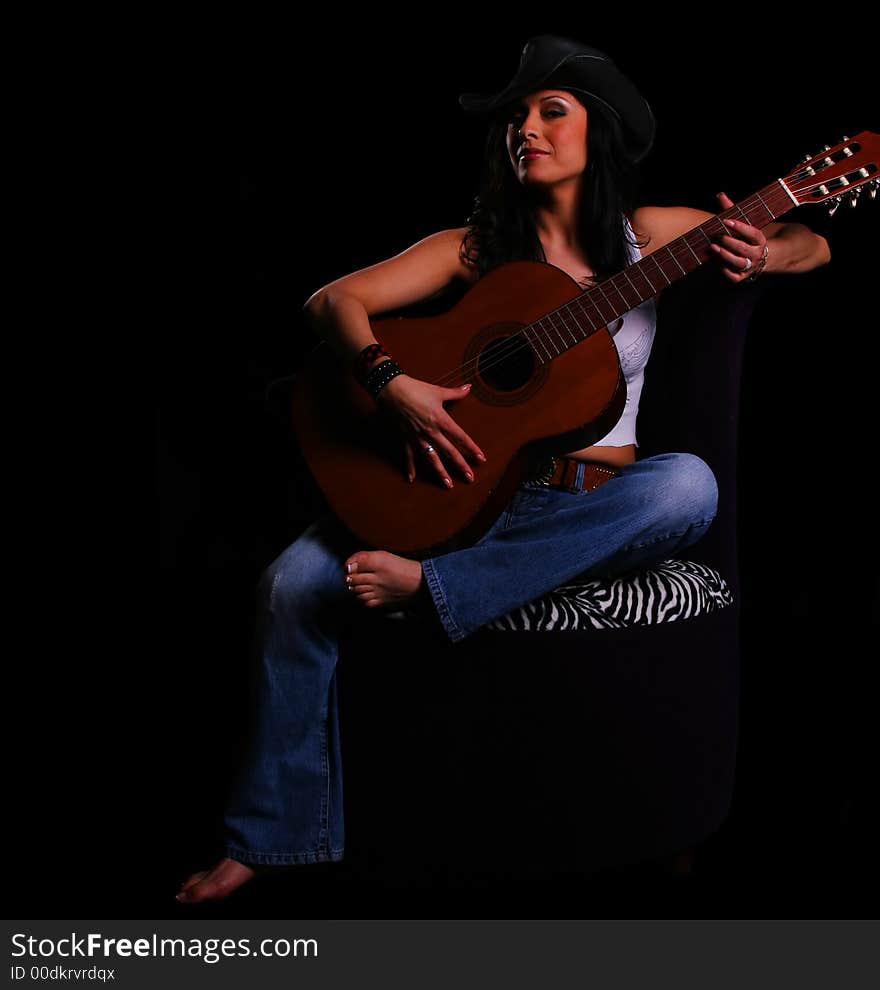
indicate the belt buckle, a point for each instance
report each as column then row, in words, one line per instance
column 544, row 472
column 605, row 474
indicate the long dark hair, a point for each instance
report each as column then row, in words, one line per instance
column 502, row 227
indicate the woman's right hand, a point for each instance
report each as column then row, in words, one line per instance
column 426, row 423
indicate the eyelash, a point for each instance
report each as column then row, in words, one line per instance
column 516, row 115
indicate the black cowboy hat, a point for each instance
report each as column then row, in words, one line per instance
column 549, row 60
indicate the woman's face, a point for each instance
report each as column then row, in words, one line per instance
column 552, row 121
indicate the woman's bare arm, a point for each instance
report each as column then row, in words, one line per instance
column 791, row 247
column 340, row 313
column 340, row 310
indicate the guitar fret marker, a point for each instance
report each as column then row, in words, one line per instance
column 565, row 330
column 645, row 277
column 683, row 272
column 585, row 312
column 537, row 340
column 601, row 288
column 635, row 290
column 657, row 265
column 692, row 251
column 571, row 333
column 580, row 306
column 613, row 282
column 600, row 321
column 605, row 318
column 555, row 329
column 766, row 207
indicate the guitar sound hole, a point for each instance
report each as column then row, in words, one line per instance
column 506, row 364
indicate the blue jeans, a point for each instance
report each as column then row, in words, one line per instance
column 286, row 805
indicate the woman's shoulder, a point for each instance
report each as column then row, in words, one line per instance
column 422, row 271
column 466, row 254
column 658, row 225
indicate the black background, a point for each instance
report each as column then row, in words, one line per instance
column 335, row 147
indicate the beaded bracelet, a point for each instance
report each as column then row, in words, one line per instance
column 366, row 357
column 760, row 266
column 381, row 375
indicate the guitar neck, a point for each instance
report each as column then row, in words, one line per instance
column 600, row 305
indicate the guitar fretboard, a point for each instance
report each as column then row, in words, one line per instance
column 598, row 306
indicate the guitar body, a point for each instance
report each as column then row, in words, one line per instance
column 519, row 406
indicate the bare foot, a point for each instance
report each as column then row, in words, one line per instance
column 382, row 579
column 214, row 884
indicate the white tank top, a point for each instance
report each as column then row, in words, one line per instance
column 633, row 340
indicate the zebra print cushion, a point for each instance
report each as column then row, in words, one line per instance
column 672, row 590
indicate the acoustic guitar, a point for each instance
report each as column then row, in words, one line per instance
column 544, row 372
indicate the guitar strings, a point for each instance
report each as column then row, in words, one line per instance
column 518, row 341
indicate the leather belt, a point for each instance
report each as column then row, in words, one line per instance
column 568, row 473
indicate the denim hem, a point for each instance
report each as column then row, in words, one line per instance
column 283, row 859
column 432, row 578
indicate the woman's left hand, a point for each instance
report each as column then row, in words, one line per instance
column 740, row 251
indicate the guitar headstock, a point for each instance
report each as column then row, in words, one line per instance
column 838, row 173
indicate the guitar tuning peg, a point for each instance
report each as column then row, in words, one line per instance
column 836, row 201
column 826, row 147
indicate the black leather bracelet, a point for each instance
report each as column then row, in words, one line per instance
column 380, row 375
column 367, row 357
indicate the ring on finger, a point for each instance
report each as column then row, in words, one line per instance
column 428, row 449
column 747, row 265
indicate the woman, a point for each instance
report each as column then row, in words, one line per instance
column 559, row 186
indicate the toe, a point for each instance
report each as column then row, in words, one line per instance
column 216, row 884
column 356, row 562
column 193, row 878
column 369, row 561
